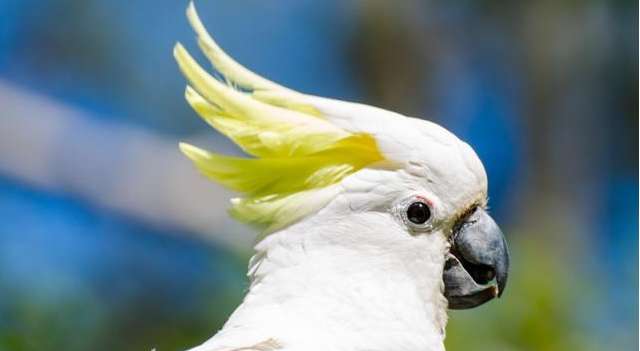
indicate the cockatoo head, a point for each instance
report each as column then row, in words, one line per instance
column 349, row 176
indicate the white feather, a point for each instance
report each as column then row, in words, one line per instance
column 350, row 276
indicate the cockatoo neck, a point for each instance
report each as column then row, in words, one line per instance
column 319, row 285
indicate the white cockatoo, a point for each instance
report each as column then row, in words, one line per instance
column 372, row 223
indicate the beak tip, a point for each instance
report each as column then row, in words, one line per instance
column 502, row 283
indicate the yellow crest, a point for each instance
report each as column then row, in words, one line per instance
column 297, row 154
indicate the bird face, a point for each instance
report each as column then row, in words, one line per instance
column 445, row 195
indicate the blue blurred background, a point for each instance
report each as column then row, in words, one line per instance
column 109, row 240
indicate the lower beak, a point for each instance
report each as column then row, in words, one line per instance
column 478, row 256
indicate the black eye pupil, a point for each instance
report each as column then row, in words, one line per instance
column 418, row 213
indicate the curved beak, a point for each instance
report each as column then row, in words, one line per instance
column 478, row 256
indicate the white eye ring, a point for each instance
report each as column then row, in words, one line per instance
column 417, row 213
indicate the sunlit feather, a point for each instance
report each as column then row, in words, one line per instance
column 298, row 154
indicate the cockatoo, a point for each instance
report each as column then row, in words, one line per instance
column 372, row 224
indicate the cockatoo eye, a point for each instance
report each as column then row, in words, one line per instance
column 418, row 213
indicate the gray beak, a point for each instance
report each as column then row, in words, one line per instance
column 478, row 255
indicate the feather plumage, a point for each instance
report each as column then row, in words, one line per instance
column 296, row 151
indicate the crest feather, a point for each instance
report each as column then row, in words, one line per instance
column 299, row 156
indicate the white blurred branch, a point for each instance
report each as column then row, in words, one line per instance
column 140, row 174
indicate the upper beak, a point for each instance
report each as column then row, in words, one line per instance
column 478, row 254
